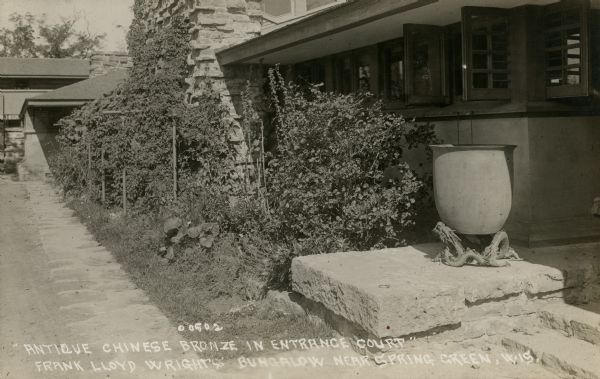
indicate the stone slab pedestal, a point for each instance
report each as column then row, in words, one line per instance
column 401, row 292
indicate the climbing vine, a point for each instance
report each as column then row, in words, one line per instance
column 329, row 175
column 130, row 132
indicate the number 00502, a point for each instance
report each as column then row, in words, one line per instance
column 199, row 327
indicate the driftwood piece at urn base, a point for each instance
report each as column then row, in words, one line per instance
column 456, row 254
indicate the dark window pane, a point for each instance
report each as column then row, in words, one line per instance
column 554, row 58
column 500, row 80
column 425, row 64
column 480, row 80
column 499, row 28
column 396, row 74
column 422, row 70
column 564, row 46
column 571, row 17
column 553, row 39
column 319, row 74
column 344, row 76
column 499, row 62
column 499, row 42
column 552, row 20
column 555, row 78
column 480, row 42
column 364, row 73
column 480, row 61
column 490, row 45
column 22, row 84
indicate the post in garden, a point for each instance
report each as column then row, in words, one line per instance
column 174, row 161
column 103, row 190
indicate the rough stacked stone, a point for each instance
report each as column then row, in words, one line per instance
column 217, row 24
column 101, row 62
column 14, row 144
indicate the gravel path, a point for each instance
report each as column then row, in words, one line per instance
column 59, row 286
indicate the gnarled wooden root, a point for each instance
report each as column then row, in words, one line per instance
column 456, row 255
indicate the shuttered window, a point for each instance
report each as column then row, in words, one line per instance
column 566, row 44
column 486, row 53
column 425, row 66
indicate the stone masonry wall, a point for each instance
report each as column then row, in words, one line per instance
column 14, row 144
column 217, row 24
column 101, row 62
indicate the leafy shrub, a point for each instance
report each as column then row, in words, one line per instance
column 131, row 130
column 337, row 174
column 334, row 178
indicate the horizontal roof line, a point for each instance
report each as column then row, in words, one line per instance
column 227, row 55
column 42, row 76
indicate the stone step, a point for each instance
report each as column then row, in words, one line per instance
column 582, row 321
column 399, row 292
column 567, row 357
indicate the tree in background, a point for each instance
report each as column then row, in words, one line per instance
column 33, row 37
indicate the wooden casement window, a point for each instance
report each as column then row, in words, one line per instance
column 22, row 84
column 312, row 72
column 425, row 66
column 392, row 75
column 366, row 69
column 455, row 60
column 566, row 43
column 344, row 70
column 356, row 71
column 486, row 59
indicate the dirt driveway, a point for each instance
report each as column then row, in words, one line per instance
column 68, row 310
column 58, row 286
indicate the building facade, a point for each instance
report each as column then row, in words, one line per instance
column 35, row 93
column 23, row 78
column 41, row 115
column 521, row 72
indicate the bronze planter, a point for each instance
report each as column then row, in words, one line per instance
column 473, row 191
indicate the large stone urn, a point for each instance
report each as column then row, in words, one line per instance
column 473, row 196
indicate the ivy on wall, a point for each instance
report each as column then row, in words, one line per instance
column 334, row 178
column 131, row 130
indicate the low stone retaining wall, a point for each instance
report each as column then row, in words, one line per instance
column 401, row 292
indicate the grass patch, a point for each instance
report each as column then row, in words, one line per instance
column 192, row 289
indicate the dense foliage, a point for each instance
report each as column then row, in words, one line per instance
column 132, row 130
column 332, row 178
column 32, row 37
column 337, row 174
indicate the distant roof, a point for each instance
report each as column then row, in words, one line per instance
column 89, row 89
column 44, row 67
column 80, row 92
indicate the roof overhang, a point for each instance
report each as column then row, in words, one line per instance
column 32, row 103
column 351, row 26
column 44, row 76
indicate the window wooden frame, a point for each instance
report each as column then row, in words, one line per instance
column 371, row 53
column 22, row 84
column 489, row 16
column 385, row 61
column 338, row 62
column 314, row 70
column 435, row 37
column 583, row 87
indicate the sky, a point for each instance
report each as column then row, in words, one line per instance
column 112, row 17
